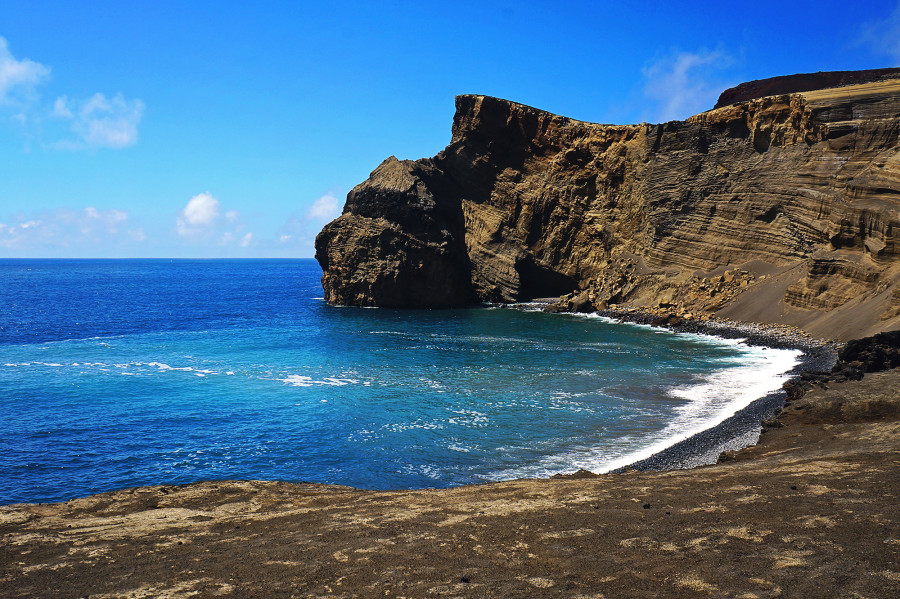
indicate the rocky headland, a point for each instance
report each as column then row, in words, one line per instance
column 778, row 209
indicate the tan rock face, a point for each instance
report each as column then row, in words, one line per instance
column 526, row 204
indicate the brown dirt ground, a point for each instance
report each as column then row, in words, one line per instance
column 812, row 511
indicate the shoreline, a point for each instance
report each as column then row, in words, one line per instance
column 808, row 512
column 738, row 431
column 744, row 427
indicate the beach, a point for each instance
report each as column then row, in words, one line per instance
column 743, row 428
column 811, row 511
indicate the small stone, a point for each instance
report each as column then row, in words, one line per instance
column 646, row 506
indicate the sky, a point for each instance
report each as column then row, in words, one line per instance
column 235, row 129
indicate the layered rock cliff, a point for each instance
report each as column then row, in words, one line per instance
column 776, row 209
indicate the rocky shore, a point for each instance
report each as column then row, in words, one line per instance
column 741, row 430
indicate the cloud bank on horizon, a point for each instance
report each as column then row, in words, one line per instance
column 186, row 148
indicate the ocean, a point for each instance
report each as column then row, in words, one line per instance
column 121, row 373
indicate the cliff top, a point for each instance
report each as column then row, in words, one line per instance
column 814, row 86
column 802, row 82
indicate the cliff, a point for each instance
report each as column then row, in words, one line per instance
column 780, row 209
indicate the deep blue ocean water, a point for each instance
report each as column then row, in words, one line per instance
column 118, row 373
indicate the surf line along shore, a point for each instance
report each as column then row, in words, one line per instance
column 742, row 428
column 811, row 511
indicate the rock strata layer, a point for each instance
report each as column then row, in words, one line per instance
column 779, row 209
column 791, row 84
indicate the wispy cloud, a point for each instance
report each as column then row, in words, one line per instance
column 685, row 83
column 300, row 231
column 100, row 122
column 68, row 228
column 201, row 220
column 883, row 35
column 96, row 122
column 18, row 77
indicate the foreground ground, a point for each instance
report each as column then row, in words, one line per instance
column 813, row 511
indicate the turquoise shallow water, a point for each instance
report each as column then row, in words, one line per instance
column 136, row 372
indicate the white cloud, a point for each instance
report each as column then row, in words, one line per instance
column 109, row 217
column 100, row 122
column 681, row 82
column 96, row 122
column 201, row 210
column 199, row 216
column 325, row 209
column 202, row 220
column 67, row 228
column 61, row 108
column 300, row 230
column 18, row 77
column 883, row 35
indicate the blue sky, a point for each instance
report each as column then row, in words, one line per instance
column 235, row 129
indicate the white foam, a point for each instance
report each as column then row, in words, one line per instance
column 710, row 401
column 401, row 427
column 163, row 367
column 716, row 398
column 298, row 380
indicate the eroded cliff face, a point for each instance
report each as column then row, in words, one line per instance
column 778, row 209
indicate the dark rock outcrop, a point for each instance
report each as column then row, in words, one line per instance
column 870, row 354
column 399, row 242
column 779, row 209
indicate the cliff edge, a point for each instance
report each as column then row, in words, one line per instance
column 778, row 209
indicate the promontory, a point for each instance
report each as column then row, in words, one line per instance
column 780, row 205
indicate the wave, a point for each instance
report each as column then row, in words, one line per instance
column 298, row 380
column 709, row 401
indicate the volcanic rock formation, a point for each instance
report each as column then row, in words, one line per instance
column 779, row 209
